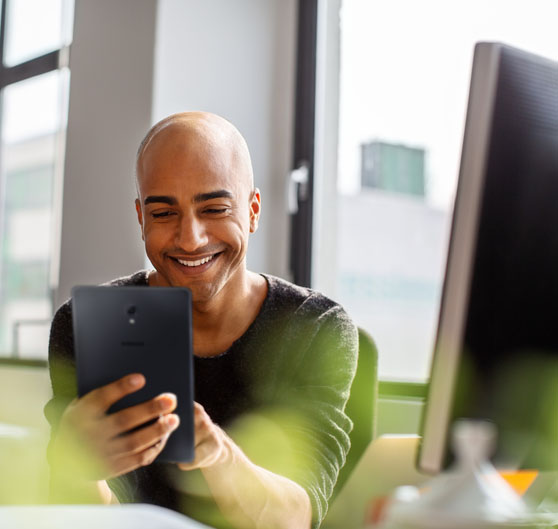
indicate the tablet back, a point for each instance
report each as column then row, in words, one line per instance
column 148, row 330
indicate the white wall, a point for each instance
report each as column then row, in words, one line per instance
column 111, row 65
column 237, row 59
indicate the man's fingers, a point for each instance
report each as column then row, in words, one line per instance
column 137, row 442
column 126, row 464
column 129, row 418
column 209, row 441
column 103, row 398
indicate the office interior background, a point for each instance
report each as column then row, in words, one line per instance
column 83, row 81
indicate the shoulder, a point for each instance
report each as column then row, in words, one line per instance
column 64, row 313
column 285, row 294
column 137, row 279
column 307, row 307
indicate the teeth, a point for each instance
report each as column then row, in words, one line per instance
column 195, row 263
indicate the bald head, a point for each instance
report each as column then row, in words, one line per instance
column 197, row 135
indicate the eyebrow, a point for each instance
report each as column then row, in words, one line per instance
column 171, row 201
column 200, row 197
column 221, row 193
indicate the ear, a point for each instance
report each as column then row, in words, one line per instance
column 140, row 217
column 255, row 209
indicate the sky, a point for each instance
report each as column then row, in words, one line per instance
column 405, row 70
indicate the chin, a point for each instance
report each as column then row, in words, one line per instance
column 204, row 286
column 203, row 293
column 203, row 289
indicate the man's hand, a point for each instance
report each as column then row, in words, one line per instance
column 209, row 440
column 116, row 451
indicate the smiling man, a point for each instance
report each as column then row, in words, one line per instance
column 275, row 358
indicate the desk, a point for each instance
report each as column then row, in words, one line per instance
column 94, row 517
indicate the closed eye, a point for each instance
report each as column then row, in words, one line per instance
column 216, row 211
column 161, row 214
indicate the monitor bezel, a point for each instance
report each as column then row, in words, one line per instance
column 457, row 281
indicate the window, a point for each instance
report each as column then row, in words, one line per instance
column 392, row 87
column 34, row 83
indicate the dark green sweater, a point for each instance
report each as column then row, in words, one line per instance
column 280, row 391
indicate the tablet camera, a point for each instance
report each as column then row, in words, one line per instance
column 131, row 313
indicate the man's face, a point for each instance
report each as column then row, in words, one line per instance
column 197, row 209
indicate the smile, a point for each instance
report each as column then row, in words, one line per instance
column 197, row 262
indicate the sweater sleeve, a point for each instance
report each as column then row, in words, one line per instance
column 319, row 390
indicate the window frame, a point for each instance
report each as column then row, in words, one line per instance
column 304, row 140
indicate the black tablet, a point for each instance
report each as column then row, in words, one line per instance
column 148, row 330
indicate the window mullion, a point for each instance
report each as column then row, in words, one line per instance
column 39, row 65
column 303, row 155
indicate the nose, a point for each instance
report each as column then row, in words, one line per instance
column 192, row 234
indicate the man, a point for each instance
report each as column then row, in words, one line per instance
column 263, row 348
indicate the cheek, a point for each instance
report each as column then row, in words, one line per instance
column 156, row 236
column 227, row 230
column 240, row 232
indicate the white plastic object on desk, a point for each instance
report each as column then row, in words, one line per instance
column 472, row 495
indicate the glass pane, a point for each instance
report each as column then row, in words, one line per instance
column 35, row 27
column 404, row 82
column 32, row 108
column 34, row 116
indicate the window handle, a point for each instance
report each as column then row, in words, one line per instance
column 297, row 187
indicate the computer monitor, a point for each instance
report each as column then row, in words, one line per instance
column 496, row 352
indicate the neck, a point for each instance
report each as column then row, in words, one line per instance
column 223, row 319
column 231, row 300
